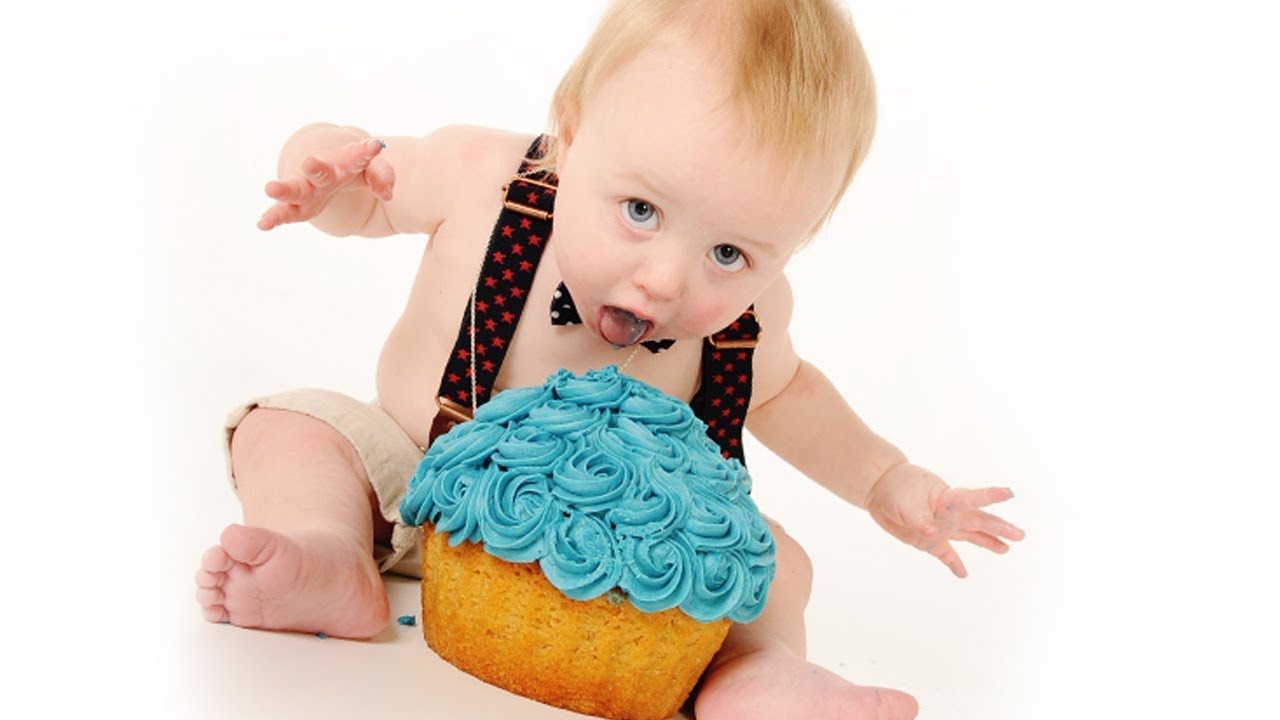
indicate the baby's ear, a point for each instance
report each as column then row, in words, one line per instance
column 567, row 128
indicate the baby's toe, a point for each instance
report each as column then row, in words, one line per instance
column 206, row 579
column 216, row 560
column 216, row 614
column 210, row 597
column 249, row 545
column 212, row 604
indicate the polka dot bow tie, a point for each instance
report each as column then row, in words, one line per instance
column 563, row 312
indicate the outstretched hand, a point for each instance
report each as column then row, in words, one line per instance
column 917, row 507
column 303, row 195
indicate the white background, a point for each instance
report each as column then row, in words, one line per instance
column 1055, row 272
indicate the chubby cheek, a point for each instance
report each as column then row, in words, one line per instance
column 707, row 315
column 582, row 255
column 574, row 260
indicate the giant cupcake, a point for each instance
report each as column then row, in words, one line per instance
column 586, row 545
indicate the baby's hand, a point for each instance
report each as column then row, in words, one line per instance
column 917, row 507
column 302, row 196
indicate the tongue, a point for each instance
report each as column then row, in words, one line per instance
column 620, row 327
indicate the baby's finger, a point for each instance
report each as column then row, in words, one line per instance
column 381, row 178
column 985, row 522
column 279, row 214
column 354, row 157
column 983, row 540
column 292, row 190
column 318, row 172
column 949, row 557
column 969, row 498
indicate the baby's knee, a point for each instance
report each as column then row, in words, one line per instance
column 793, row 563
column 265, row 426
column 273, row 432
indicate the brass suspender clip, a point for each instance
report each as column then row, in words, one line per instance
column 521, row 208
column 744, row 344
column 451, row 413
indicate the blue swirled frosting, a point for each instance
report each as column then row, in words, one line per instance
column 607, row 483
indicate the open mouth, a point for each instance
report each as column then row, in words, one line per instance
column 622, row 327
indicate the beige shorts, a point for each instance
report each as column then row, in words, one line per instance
column 389, row 455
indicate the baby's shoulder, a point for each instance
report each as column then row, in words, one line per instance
column 450, row 174
column 473, row 155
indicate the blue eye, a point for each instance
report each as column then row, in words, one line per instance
column 640, row 213
column 728, row 257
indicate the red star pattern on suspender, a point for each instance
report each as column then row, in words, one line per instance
column 725, row 391
column 511, row 259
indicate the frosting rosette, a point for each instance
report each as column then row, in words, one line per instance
column 610, row 485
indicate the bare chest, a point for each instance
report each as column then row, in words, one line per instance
column 416, row 353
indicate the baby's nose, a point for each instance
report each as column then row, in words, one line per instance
column 662, row 279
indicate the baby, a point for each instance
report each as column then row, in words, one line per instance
column 697, row 145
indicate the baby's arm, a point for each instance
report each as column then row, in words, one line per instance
column 347, row 183
column 799, row 415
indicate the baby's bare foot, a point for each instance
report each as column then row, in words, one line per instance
column 777, row 685
column 305, row 581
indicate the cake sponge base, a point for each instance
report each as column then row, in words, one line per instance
column 506, row 624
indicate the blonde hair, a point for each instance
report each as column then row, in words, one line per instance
column 799, row 75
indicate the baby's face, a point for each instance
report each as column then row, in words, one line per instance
column 665, row 210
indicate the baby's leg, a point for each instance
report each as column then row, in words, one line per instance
column 760, row 672
column 303, row 560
